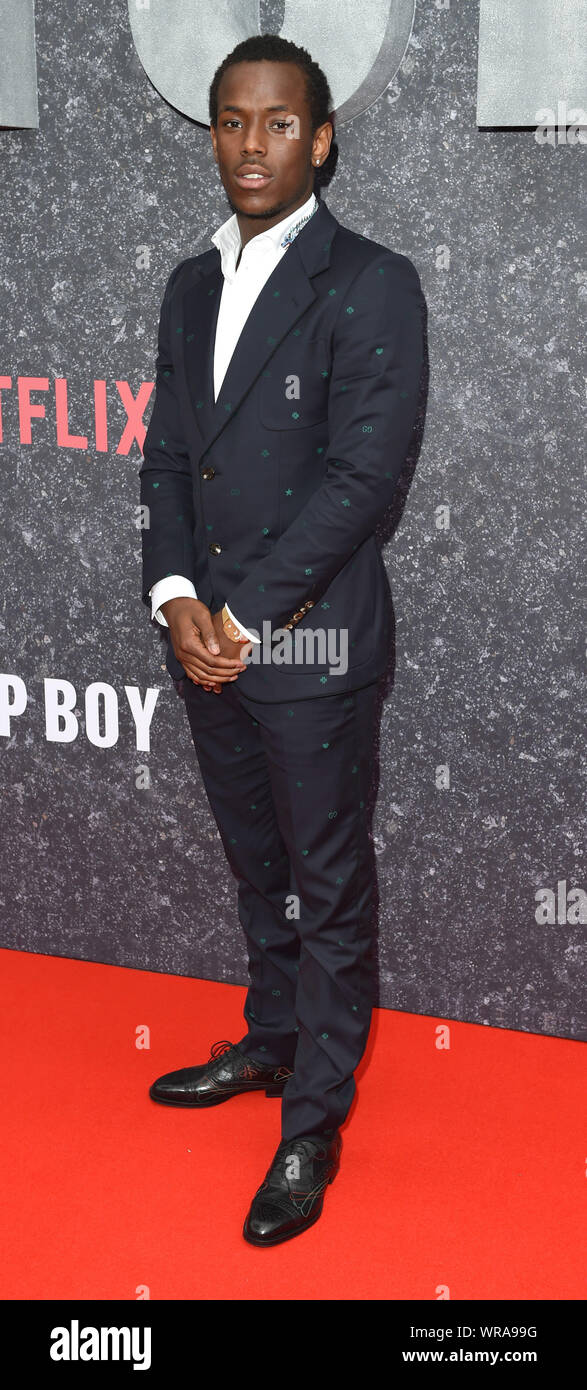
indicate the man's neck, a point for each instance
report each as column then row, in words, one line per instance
column 249, row 228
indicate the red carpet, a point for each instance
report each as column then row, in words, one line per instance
column 461, row 1170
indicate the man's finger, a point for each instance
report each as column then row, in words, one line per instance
column 214, row 665
column 202, row 675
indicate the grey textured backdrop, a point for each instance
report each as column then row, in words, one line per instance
column 98, row 205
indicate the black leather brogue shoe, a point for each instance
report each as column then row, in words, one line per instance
column 227, row 1073
column 292, row 1195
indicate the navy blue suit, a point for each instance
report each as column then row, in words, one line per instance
column 268, row 500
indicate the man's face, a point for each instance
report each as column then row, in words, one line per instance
column 264, row 122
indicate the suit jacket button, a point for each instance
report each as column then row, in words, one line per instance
column 215, row 548
column 208, row 473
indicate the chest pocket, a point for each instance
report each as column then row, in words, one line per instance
column 293, row 389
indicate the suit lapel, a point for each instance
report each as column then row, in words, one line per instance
column 284, row 297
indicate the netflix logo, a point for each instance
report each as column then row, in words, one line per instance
column 55, row 409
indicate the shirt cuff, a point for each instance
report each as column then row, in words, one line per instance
column 242, row 629
column 173, row 586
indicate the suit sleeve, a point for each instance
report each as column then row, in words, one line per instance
column 165, row 473
column 373, row 399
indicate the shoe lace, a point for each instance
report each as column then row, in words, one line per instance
column 221, row 1046
column 309, row 1148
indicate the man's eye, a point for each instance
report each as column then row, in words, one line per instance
column 285, row 125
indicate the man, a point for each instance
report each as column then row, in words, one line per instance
column 286, row 392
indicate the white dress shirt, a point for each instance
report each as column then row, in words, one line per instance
column 240, row 289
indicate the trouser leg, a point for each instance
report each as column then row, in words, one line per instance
column 319, row 756
column 234, row 770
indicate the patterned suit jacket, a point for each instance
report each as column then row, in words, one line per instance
column 268, row 499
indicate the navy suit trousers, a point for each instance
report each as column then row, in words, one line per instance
column 288, row 785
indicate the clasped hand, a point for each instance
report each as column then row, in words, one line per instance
column 200, row 643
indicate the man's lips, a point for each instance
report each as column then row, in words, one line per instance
column 253, row 178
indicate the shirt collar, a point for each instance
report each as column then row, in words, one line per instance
column 228, row 239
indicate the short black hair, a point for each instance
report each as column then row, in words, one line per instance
column 274, row 49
